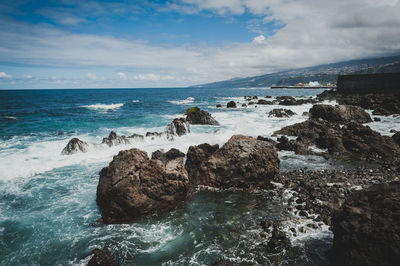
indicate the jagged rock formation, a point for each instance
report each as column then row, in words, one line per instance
column 75, row 145
column 279, row 112
column 133, row 186
column 340, row 113
column 242, row 162
column 195, row 116
column 113, row 140
column 178, row 127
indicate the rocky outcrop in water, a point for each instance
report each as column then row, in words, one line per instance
column 242, row 162
column 75, row 145
column 264, row 102
column 279, row 112
column 289, row 100
column 366, row 228
column 178, row 127
column 382, row 103
column 354, row 141
column 231, row 104
column 133, row 186
column 322, row 192
column 101, row 257
column 113, row 140
column 340, row 113
column 195, row 116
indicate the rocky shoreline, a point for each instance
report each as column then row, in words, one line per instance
column 134, row 185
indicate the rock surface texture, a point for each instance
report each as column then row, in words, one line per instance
column 178, row 127
column 75, row 145
column 281, row 113
column 132, row 186
column 242, row 162
column 195, row 116
column 101, row 257
column 340, row 113
column 231, row 104
column 113, row 139
column 367, row 227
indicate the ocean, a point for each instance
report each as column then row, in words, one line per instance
column 48, row 208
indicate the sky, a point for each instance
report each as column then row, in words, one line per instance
column 173, row 43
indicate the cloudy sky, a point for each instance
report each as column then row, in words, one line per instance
column 118, row 44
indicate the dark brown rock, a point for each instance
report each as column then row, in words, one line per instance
column 340, row 113
column 165, row 157
column 242, row 162
column 75, row 145
column 396, row 137
column 279, row 112
column 195, row 116
column 133, row 186
column 231, row 104
column 263, row 102
column 113, row 139
column 366, row 228
column 178, row 127
column 101, row 257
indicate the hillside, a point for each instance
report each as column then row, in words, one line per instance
column 323, row 73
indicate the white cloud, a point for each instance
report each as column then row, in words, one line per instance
column 92, row 76
column 121, row 75
column 28, row 77
column 152, row 77
column 5, row 75
column 314, row 32
column 259, row 39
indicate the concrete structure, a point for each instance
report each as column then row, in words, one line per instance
column 369, row 83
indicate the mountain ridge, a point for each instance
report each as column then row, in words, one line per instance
column 326, row 73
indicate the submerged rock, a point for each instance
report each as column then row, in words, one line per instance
column 114, row 140
column 75, row 145
column 366, row 228
column 101, row 257
column 263, row 102
column 195, row 116
column 133, row 186
column 178, row 127
column 278, row 240
column 154, row 134
column 340, row 113
column 279, row 112
column 231, row 104
column 242, row 162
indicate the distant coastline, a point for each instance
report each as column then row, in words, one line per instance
column 302, row 87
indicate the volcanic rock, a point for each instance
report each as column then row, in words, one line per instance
column 231, row 104
column 340, row 113
column 165, row 157
column 133, row 186
column 279, row 112
column 366, row 228
column 242, row 162
column 396, row 137
column 101, row 257
column 195, row 116
column 113, row 140
column 178, row 127
column 75, row 145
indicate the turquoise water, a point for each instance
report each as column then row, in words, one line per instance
column 48, row 211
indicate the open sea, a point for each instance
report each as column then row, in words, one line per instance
column 48, row 208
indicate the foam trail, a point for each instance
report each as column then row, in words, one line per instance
column 188, row 100
column 104, row 106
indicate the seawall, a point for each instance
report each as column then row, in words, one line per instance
column 369, row 83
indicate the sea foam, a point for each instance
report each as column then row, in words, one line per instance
column 104, row 106
column 188, row 100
